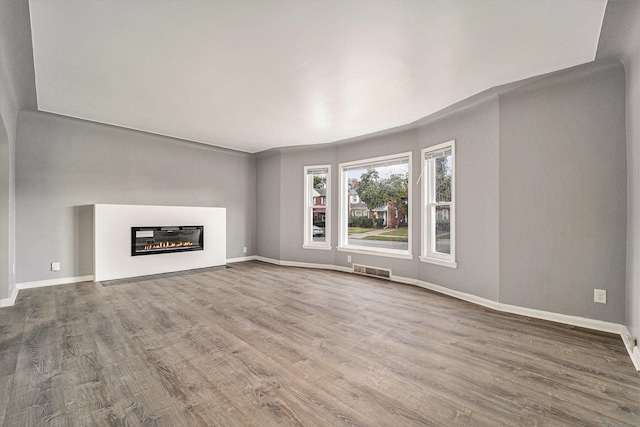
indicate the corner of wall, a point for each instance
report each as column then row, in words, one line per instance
column 268, row 204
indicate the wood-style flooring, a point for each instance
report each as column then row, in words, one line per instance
column 264, row 345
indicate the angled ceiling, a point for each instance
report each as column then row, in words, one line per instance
column 257, row 74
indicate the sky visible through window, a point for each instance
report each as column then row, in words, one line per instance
column 383, row 171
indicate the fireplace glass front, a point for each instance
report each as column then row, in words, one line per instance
column 159, row 240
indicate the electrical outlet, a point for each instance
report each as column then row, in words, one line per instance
column 244, row 250
column 600, row 296
column 55, row 266
column 348, row 258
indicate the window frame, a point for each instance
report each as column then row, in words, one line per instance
column 309, row 173
column 343, row 216
column 428, row 208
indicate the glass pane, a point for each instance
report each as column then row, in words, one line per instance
column 318, row 189
column 443, row 230
column 378, row 205
column 318, row 225
column 443, row 178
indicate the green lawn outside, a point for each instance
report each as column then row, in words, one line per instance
column 393, row 235
column 397, row 232
column 359, row 230
column 387, row 238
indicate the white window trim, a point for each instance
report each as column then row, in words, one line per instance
column 308, row 242
column 343, row 222
column 426, row 254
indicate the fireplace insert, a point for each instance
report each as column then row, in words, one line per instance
column 161, row 240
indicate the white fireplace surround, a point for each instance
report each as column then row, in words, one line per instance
column 112, row 239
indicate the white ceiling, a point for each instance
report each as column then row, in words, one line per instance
column 257, row 74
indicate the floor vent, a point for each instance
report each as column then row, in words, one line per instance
column 382, row 273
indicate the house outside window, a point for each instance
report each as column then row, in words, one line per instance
column 374, row 206
column 317, row 218
column 438, row 209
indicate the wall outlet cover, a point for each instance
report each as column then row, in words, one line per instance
column 55, row 266
column 600, row 296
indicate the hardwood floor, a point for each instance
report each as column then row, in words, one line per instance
column 261, row 345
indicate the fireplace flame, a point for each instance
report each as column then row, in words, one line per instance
column 166, row 245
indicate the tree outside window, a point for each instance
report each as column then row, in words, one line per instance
column 317, row 221
column 438, row 213
column 375, row 212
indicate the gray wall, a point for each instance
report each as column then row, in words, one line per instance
column 475, row 130
column 563, row 193
column 17, row 92
column 268, row 218
column 266, row 190
column 6, row 184
column 292, row 176
column 64, row 165
column 620, row 40
column 541, row 187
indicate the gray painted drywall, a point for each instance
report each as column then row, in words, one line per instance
column 620, row 40
column 268, row 196
column 475, row 130
column 64, row 165
column 5, row 182
column 541, row 188
column 17, row 92
column 292, row 205
column 276, row 200
column 563, row 193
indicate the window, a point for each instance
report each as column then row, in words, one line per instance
column 317, row 220
column 438, row 210
column 375, row 197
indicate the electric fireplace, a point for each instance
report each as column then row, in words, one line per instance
column 166, row 239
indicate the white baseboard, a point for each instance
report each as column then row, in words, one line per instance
column 267, row 260
column 598, row 325
column 241, row 259
column 582, row 322
column 308, row 265
column 634, row 351
column 54, row 282
column 304, row 264
column 8, row 302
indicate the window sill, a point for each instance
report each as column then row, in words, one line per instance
column 318, row 247
column 441, row 262
column 360, row 250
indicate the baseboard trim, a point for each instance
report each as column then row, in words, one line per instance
column 598, row 325
column 8, row 302
column 634, row 351
column 241, row 259
column 307, row 265
column 304, row 264
column 267, row 260
column 54, row 282
column 583, row 322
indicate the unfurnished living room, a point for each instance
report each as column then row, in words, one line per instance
column 319, row 212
